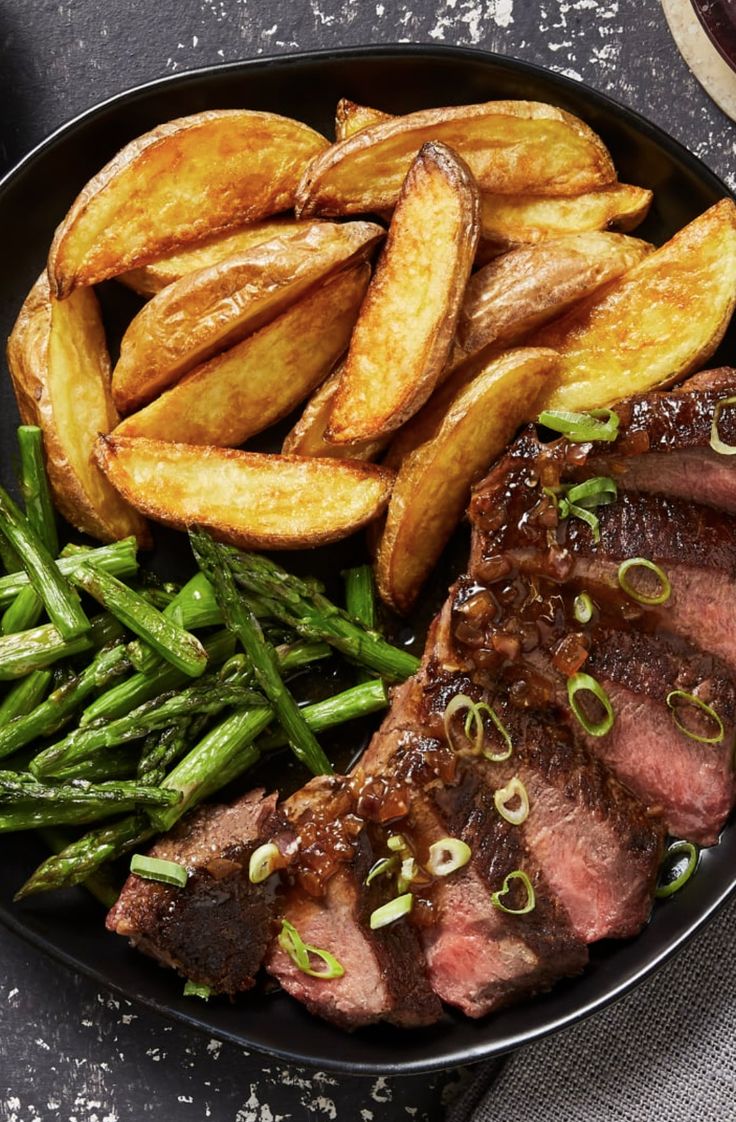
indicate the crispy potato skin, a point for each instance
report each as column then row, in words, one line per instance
column 184, row 180
column 213, row 308
column 405, row 330
column 654, row 325
column 530, row 285
column 307, row 438
column 247, row 499
column 59, row 365
column 507, row 221
column 433, row 484
column 150, row 279
column 251, row 386
column 351, row 118
column 510, row 147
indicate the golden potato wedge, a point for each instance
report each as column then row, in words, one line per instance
column 180, row 182
column 658, row 322
column 245, row 498
column 60, row 368
column 150, row 279
column 351, row 118
column 510, row 147
column 307, row 438
column 508, row 221
column 433, row 484
column 406, row 326
column 209, row 310
column 244, row 390
column 529, row 286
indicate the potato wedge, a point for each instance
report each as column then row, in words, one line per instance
column 244, row 390
column 655, row 324
column 150, row 279
column 212, row 309
column 406, row 326
column 529, row 286
column 508, row 221
column 60, row 368
column 180, row 182
column 433, row 485
column 307, row 438
column 351, row 118
column 510, row 147
column 245, row 498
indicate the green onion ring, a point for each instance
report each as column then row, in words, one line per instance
column 155, row 868
column 589, row 518
column 389, row 913
column 581, row 681
column 583, row 608
column 298, row 951
column 193, row 989
column 475, row 711
column 675, row 695
column 598, row 424
column 641, row 598
column 263, row 862
column 716, row 443
column 676, row 849
column 495, row 757
column 531, row 899
column 514, row 789
column 447, row 856
column 600, row 490
column 381, row 868
column 457, row 704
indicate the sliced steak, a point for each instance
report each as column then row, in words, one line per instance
column 215, row 930
column 385, row 976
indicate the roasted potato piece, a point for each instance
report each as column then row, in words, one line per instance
column 244, row 390
column 182, row 181
column 405, row 330
column 307, row 438
column 433, row 484
column 58, row 361
column 511, row 147
column 530, row 285
column 150, row 279
column 209, row 310
column 245, row 498
column 351, row 118
column 507, row 221
column 655, row 324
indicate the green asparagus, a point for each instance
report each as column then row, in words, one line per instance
column 119, row 559
column 360, row 701
column 42, row 646
column 24, row 696
column 100, row 884
column 35, row 487
column 27, row 806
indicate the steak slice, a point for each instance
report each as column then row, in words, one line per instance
column 385, row 976
column 215, row 930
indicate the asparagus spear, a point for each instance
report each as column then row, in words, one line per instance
column 99, row 884
column 119, row 559
column 35, row 487
column 24, row 612
column 24, row 696
column 206, row 697
column 134, row 691
column 303, row 606
column 167, row 747
column 360, row 599
column 360, row 701
column 173, row 643
column 26, row 806
column 117, row 763
column 239, row 618
column 42, row 646
column 61, row 601
column 59, row 706
column 224, row 754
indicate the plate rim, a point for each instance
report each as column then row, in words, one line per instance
column 463, row 1054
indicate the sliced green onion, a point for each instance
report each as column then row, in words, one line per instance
column 600, row 490
column 495, row 757
column 396, row 843
column 389, row 913
column 598, row 424
column 447, row 856
column 681, row 695
column 677, row 851
column 298, row 951
column 457, row 704
column 155, row 868
column 514, row 789
column 193, row 989
column 585, row 682
column 531, row 899
column 660, row 597
column 716, row 443
column 474, row 727
column 381, row 868
column 586, row 516
column 583, row 608
column 263, row 862
column 408, row 874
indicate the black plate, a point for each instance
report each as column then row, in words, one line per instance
column 33, row 199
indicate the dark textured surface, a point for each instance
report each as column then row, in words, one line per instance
column 68, row 1052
